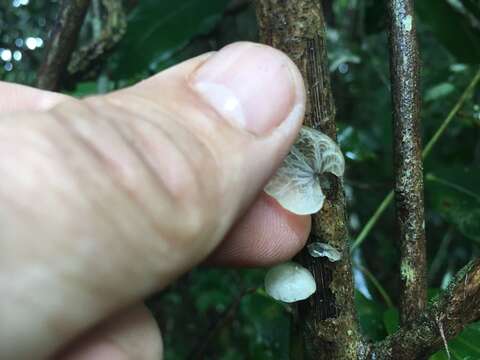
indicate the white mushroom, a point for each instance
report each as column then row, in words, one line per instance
column 319, row 249
column 297, row 183
column 289, row 282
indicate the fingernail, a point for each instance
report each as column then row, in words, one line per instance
column 253, row 86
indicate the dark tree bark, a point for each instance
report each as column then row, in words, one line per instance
column 327, row 320
column 63, row 40
column 405, row 78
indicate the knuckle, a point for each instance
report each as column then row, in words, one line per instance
column 127, row 175
column 176, row 163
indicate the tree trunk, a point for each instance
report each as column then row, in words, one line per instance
column 327, row 320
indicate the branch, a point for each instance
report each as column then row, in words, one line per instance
column 458, row 306
column 426, row 151
column 405, row 78
column 62, row 42
column 90, row 57
column 327, row 320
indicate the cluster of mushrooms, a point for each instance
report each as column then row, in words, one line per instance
column 297, row 186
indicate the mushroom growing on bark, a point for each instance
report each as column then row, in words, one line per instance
column 289, row 282
column 297, row 186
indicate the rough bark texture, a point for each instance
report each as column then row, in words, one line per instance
column 405, row 69
column 443, row 320
column 63, row 40
column 327, row 320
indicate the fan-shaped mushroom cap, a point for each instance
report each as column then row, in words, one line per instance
column 296, row 185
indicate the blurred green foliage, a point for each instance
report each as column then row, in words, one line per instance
column 157, row 22
column 24, row 27
column 224, row 314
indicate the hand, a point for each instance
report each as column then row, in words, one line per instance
column 106, row 200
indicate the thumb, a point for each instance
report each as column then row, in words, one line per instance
column 133, row 188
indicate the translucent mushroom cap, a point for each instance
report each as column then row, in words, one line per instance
column 289, row 282
column 319, row 249
column 296, row 185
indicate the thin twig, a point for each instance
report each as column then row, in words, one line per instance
column 62, row 42
column 407, row 151
column 373, row 220
column 461, row 189
column 426, row 151
column 440, row 255
column 444, row 339
column 451, row 115
column 377, row 285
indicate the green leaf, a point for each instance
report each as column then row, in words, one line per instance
column 355, row 144
column 391, row 319
column 465, row 346
column 157, row 29
column 370, row 315
column 452, row 28
column 439, row 91
column 455, row 195
column 270, row 327
column 84, row 89
column 212, row 299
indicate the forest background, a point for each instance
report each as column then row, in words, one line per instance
column 221, row 313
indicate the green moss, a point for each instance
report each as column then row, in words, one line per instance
column 408, row 272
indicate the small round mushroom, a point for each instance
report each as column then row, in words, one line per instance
column 289, row 282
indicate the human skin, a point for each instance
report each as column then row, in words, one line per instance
column 106, row 200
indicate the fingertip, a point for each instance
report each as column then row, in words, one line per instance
column 266, row 235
